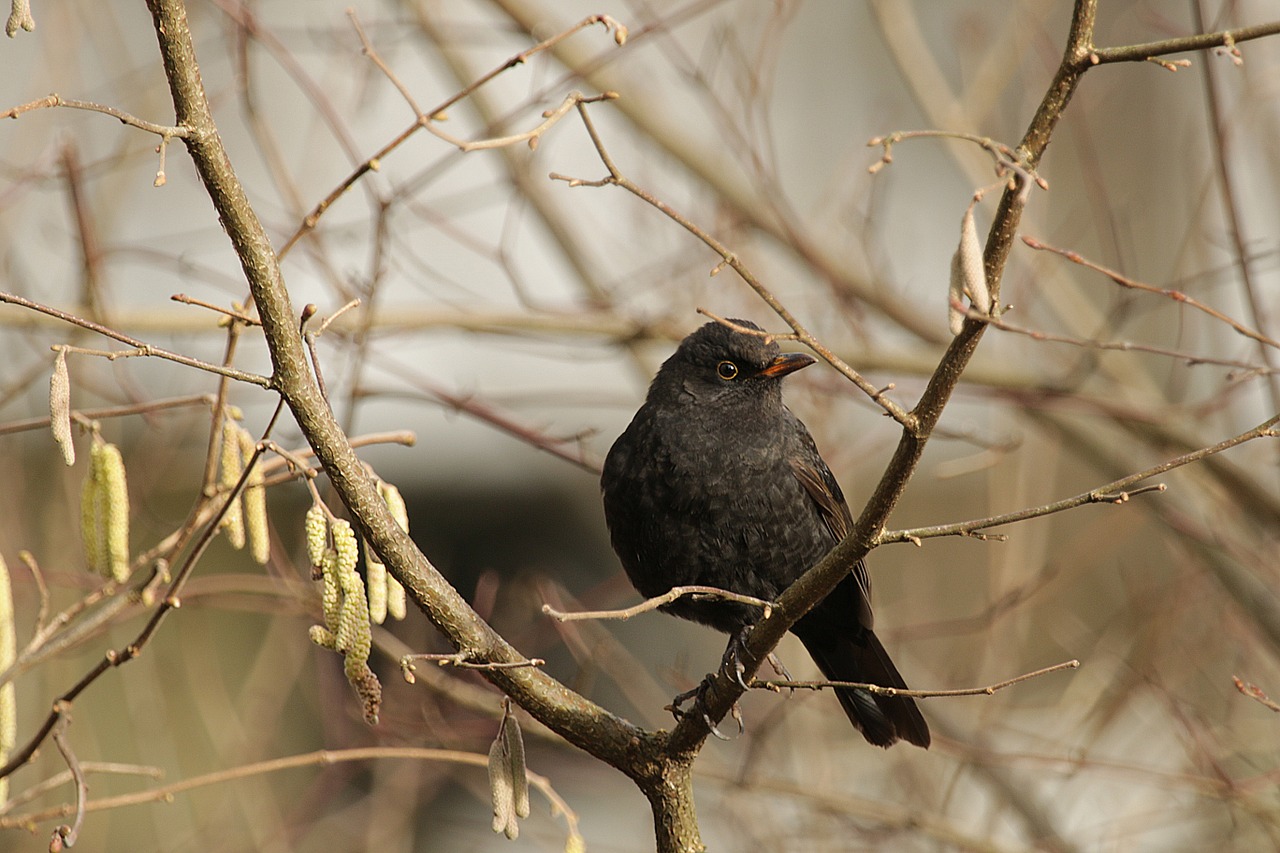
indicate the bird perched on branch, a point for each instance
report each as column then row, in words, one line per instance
column 717, row 483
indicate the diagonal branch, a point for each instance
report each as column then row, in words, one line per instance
column 583, row 723
column 818, row 581
column 1117, row 491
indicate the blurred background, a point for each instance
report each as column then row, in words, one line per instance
column 512, row 323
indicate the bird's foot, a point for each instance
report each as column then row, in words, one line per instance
column 698, row 695
column 731, row 662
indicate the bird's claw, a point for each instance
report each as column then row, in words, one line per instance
column 697, row 694
column 731, row 662
column 778, row 667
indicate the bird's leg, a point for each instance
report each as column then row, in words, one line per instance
column 732, row 666
column 731, row 662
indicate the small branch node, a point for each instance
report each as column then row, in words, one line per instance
column 1170, row 64
column 1256, row 693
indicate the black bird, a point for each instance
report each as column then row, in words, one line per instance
column 717, row 483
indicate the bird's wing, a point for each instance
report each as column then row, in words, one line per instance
column 822, row 488
column 821, row 485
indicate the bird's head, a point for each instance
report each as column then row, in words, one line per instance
column 717, row 366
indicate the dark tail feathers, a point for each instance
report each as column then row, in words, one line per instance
column 883, row 720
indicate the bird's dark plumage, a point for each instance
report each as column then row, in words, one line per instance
column 716, row 482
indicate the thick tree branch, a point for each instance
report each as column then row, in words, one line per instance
column 581, row 722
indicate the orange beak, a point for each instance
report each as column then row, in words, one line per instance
column 788, row 362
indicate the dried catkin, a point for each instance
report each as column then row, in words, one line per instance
column 60, row 407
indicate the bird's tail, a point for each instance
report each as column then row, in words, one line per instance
column 883, row 720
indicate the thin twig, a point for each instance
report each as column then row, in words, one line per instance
column 1253, row 691
column 112, row 412
column 309, row 338
column 1185, row 44
column 57, row 780
column 56, row 100
column 166, row 132
column 42, row 589
column 1121, row 346
column 669, row 596
column 320, row 758
column 914, row 694
column 767, row 337
column 237, row 315
column 298, row 458
column 366, row 47
column 141, row 348
column 49, row 639
column 327, row 321
column 462, row 660
column 1007, row 160
column 1175, row 295
column 616, row 178
column 1117, row 491
column 549, row 119
column 63, row 835
column 426, row 120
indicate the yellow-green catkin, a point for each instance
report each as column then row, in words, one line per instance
column 104, row 513
column 376, row 576
column 346, row 610
column 92, row 517
column 396, row 604
column 8, row 699
column 346, row 554
column 230, row 467
column 255, row 502
column 354, row 637
column 316, row 526
column 60, row 407
column 323, row 568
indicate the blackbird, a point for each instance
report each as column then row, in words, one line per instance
column 717, row 483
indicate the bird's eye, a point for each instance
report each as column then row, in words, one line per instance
column 727, row 370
